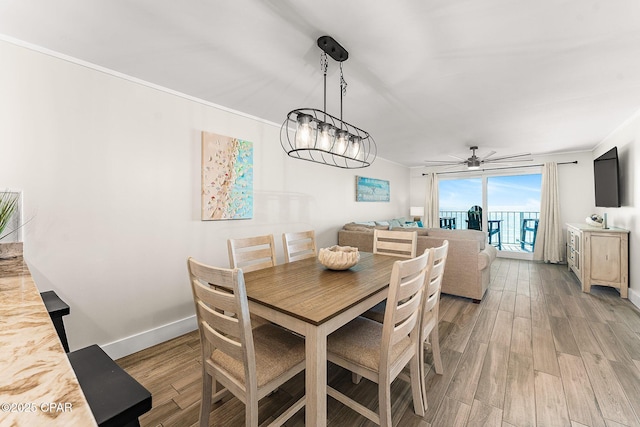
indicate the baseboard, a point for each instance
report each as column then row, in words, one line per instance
column 634, row 297
column 146, row 339
column 134, row 343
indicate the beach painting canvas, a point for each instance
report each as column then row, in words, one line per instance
column 227, row 177
column 372, row 190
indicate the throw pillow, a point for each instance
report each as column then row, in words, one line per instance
column 393, row 223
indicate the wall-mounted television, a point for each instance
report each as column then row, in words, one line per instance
column 607, row 179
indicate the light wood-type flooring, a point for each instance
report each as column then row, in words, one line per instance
column 535, row 352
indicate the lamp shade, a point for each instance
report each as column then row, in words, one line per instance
column 416, row 211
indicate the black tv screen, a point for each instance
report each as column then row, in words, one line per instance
column 607, row 181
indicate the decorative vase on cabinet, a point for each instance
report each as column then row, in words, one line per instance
column 599, row 256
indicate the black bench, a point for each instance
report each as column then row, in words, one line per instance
column 57, row 308
column 115, row 398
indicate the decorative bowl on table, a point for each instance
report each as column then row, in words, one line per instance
column 594, row 220
column 339, row 257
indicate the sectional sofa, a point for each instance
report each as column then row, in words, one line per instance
column 468, row 269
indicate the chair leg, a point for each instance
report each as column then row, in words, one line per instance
column 251, row 411
column 205, row 404
column 355, row 378
column 423, row 373
column 384, row 401
column 417, row 384
column 435, row 349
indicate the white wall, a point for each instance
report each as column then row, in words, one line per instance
column 110, row 172
column 627, row 139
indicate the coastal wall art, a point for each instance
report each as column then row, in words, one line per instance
column 372, row 190
column 227, row 177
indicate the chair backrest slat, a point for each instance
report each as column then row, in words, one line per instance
column 219, row 298
column 299, row 245
column 252, row 253
column 404, row 302
column 396, row 243
column 223, row 321
column 223, row 342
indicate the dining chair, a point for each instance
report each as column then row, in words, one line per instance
column 300, row 245
column 249, row 363
column 397, row 243
column 379, row 352
column 430, row 307
column 252, row 253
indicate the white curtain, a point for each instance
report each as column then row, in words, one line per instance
column 548, row 246
column 431, row 206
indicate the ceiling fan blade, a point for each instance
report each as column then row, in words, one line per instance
column 513, row 156
column 457, row 165
column 491, row 153
column 443, row 162
column 507, row 161
column 459, row 158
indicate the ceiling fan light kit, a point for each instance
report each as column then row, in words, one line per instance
column 317, row 136
column 474, row 162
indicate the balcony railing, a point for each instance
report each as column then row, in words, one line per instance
column 510, row 225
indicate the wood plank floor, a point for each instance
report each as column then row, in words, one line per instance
column 535, row 352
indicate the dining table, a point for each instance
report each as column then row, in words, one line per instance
column 311, row 300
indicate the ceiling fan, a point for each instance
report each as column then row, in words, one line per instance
column 474, row 162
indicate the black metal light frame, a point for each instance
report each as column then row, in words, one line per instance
column 317, row 136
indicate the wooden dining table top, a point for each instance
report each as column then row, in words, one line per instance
column 307, row 290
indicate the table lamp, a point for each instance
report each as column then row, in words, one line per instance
column 416, row 212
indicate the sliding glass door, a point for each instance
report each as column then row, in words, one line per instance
column 510, row 207
column 457, row 196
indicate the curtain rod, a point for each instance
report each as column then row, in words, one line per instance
column 575, row 162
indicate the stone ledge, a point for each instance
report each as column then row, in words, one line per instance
column 10, row 250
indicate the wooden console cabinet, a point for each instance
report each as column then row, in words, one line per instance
column 599, row 256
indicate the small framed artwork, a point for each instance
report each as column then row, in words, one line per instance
column 372, row 190
column 227, row 178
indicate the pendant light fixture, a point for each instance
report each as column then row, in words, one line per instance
column 317, row 136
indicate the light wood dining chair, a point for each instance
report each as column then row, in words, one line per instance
column 397, row 243
column 378, row 351
column 429, row 322
column 252, row 253
column 248, row 363
column 299, row 245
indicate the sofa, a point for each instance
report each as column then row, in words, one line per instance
column 468, row 269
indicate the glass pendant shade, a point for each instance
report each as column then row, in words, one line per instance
column 354, row 147
column 326, row 136
column 341, row 142
column 304, row 132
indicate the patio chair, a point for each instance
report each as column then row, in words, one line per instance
column 528, row 233
column 474, row 218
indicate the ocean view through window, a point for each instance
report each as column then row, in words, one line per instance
column 505, row 199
